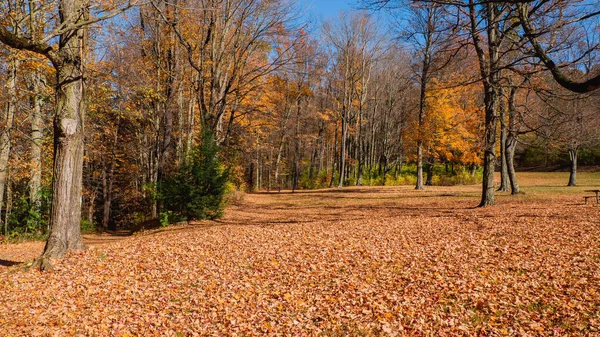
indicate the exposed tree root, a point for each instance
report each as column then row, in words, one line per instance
column 42, row 263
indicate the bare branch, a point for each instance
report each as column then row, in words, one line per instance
column 579, row 87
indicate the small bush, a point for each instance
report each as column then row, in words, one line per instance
column 88, row 227
column 404, row 179
column 234, row 195
column 167, row 217
column 322, row 180
column 19, row 235
column 197, row 190
column 460, row 178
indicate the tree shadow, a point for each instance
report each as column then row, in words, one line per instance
column 7, row 263
column 332, row 190
column 279, row 212
column 107, row 236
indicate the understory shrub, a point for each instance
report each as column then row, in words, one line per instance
column 234, row 195
column 88, row 227
column 314, row 180
column 21, row 220
column 404, row 179
column 460, row 178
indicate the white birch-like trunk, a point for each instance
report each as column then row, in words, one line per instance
column 36, row 143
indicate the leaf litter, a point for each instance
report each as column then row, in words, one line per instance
column 366, row 262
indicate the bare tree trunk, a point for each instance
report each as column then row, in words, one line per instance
column 91, row 208
column 430, row 166
column 425, row 66
column 270, row 171
column 504, row 178
column 257, row 182
column 420, row 166
column 259, row 171
column 419, row 185
column 9, row 114
column 278, row 158
column 191, row 120
column 9, row 199
column 154, row 159
column 297, row 169
column 511, row 141
column 180, row 150
column 334, row 155
column 251, row 177
column 489, row 69
column 343, row 152
column 166, row 146
column 108, row 182
column 65, row 215
column 489, row 155
column 36, row 144
column 573, row 175
column 372, row 150
column 360, row 149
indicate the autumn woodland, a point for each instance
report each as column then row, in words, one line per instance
column 244, row 168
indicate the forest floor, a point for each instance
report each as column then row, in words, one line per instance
column 368, row 261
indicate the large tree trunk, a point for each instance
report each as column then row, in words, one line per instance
column 9, row 114
column 489, row 155
column 65, row 215
column 573, row 176
column 490, row 72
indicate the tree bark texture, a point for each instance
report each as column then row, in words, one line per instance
column 65, row 214
column 511, row 142
column 504, row 178
column 36, row 143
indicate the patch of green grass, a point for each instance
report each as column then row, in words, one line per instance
column 18, row 237
column 478, row 318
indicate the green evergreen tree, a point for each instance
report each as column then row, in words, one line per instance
column 196, row 191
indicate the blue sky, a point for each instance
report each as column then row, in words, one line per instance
column 324, row 9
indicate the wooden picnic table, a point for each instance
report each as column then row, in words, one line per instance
column 597, row 192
